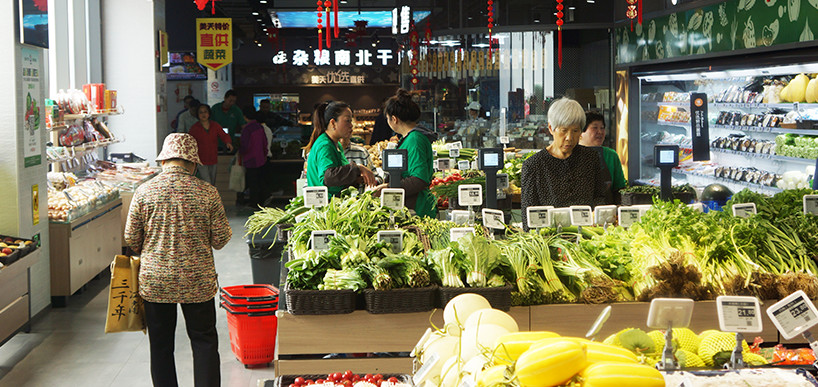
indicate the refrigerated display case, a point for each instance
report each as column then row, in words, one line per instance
column 761, row 134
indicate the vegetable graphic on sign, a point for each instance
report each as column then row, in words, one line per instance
column 769, row 33
column 32, row 116
column 749, row 34
column 794, row 9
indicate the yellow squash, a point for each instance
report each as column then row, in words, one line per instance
column 492, row 377
column 509, row 347
column 597, row 352
column 612, row 374
column 550, row 364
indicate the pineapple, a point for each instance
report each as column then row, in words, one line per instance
column 689, row 359
column 687, row 339
column 715, row 343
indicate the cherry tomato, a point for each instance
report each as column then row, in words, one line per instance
column 298, row 381
column 378, row 382
column 355, row 378
column 320, row 381
column 347, row 383
column 309, row 381
column 378, row 377
column 293, row 385
column 393, row 379
column 368, row 376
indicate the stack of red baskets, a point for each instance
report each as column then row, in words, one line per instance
column 251, row 317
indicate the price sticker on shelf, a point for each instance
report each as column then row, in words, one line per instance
column 744, row 210
column 538, row 216
column 502, row 181
column 316, row 196
column 460, row 217
column 739, row 314
column 582, row 216
column 470, row 195
column 605, row 214
column 393, row 198
column 463, row 165
column 459, row 232
column 454, row 153
column 454, row 145
column 560, row 217
column 394, row 238
column 319, row 239
column 628, row 216
column 504, row 140
column 793, row 315
column 811, row 204
column 493, row 219
column 444, row 164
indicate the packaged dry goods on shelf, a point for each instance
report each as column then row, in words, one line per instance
column 74, row 202
column 128, row 176
column 73, row 102
column 61, row 180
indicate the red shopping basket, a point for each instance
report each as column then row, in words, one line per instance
column 252, row 334
column 247, row 295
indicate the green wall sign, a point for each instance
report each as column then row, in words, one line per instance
column 731, row 25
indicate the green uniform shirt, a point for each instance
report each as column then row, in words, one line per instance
column 324, row 155
column 615, row 168
column 420, row 165
column 232, row 120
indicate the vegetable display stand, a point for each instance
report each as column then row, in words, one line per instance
column 252, row 322
column 358, row 332
column 15, row 296
column 405, row 300
column 319, row 301
column 498, row 297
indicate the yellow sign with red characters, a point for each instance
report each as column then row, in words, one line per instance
column 214, row 42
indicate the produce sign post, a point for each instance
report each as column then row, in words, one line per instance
column 738, row 314
column 628, row 216
column 490, row 160
column 605, row 215
column 669, row 313
column 811, row 204
column 443, row 164
column 493, row 219
column 393, row 198
column 744, row 210
column 794, row 315
column 393, row 237
column 470, row 195
column 319, row 240
column 463, row 164
column 316, row 196
column 539, row 216
column 560, row 217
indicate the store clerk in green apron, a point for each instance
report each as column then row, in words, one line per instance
column 326, row 164
column 402, row 114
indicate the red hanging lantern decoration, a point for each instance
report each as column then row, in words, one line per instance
column 328, row 39
column 428, row 34
column 560, row 22
column 490, row 8
column 413, row 39
column 320, row 23
column 335, row 8
column 200, row 4
column 631, row 12
column 272, row 36
column 640, row 11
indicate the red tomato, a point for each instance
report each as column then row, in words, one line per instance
column 393, row 379
column 298, row 380
column 378, row 382
column 355, row 378
column 320, row 381
column 378, row 377
column 293, row 385
column 309, row 381
column 368, row 376
column 347, row 383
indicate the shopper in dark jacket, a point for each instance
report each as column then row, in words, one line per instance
column 253, row 153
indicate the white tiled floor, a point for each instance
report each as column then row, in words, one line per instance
column 67, row 347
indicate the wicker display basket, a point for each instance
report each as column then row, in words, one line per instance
column 286, row 380
column 320, row 301
column 635, row 198
column 405, row 300
column 498, row 297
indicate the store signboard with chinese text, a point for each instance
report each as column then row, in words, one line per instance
column 214, row 42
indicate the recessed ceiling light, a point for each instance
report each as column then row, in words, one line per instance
column 255, row 13
column 258, row 19
column 536, row 20
column 572, row 7
column 262, row 1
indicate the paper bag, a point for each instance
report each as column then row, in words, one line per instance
column 126, row 312
column 237, row 178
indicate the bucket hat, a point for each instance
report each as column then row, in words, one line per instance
column 180, row 146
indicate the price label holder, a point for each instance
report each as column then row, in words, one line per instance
column 669, row 313
column 493, row 219
column 316, row 196
column 470, row 195
column 794, row 315
column 504, row 140
column 393, row 198
column 698, row 206
column 395, row 162
column 300, row 217
column 605, row 215
column 582, row 216
column 474, row 164
column 394, row 238
column 560, row 217
column 538, row 216
column 460, row 217
column 643, row 208
column 435, row 165
column 454, row 145
column 444, row 164
column 454, row 153
column 744, row 210
column 738, row 314
column 502, row 181
column 811, row 204
column 319, row 239
column 427, row 367
column 459, row 232
column 463, row 165
column 600, row 321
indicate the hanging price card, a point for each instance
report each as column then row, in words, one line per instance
column 316, row 196
column 581, row 216
column 460, row 216
column 493, row 219
column 793, row 315
column 605, row 214
column 744, row 210
column 504, row 140
column 454, row 153
column 393, row 198
column 454, row 145
column 811, row 204
column 463, row 165
column 319, row 239
column 470, row 195
column 537, row 216
column 459, row 232
column 394, row 238
column 560, row 217
column 739, row 314
column 444, row 164
column 628, row 216
column 502, row 181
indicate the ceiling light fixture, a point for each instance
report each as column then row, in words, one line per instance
column 255, row 13
column 262, row 1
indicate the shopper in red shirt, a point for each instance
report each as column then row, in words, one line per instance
column 207, row 134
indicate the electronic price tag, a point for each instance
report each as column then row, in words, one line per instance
column 793, row 315
column 582, row 216
column 628, row 216
column 316, row 196
column 463, row 165
column 444, row 164
column 394, row 238
column 300, row 217
column 470, row 195
column 538, row 216
column 319, row 239
column 474, row 164
column 490, row 158
column 744, row 210
column 460, row 216
column 393, row 198
column 459, row 232
column 739, row 314
column 811, row 204
column 493, row 219
column 427, row 367
column 560, row 217
column 502, row 181
column 698, row 206
column 504, row 140
column 666, row 312
column 454, row 145
column 454, row 153
column 605, row 214
column 643, row 208
column 434, row 165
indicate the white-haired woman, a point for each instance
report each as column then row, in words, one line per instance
column 564, row 173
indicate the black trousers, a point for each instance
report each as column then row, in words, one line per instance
column 200, row 320
column 258, row 184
